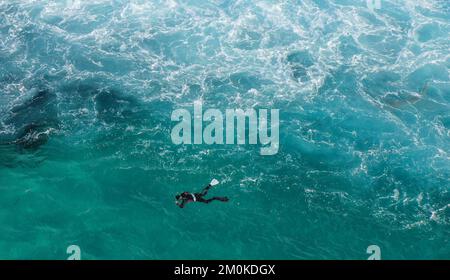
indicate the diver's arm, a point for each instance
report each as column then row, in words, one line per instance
column 181, row 204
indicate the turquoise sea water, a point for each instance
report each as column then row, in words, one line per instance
column 87, row 89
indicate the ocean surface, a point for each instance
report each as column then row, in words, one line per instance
column 87, row 89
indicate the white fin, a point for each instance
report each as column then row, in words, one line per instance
column 214, row 182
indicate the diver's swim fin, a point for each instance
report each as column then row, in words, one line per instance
column 214, row 182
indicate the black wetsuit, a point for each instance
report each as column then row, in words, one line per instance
column 197, row 197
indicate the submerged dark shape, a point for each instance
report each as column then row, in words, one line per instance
column 299, row 62
column 42, row 106
column 32, row 136
column 112, row 106
column 34, row 120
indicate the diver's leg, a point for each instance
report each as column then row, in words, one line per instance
column 223, row 199
column 205, row 190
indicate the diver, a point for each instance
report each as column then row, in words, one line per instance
column 182, row 199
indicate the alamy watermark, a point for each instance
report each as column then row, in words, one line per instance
column 375, row 253
column 74, row 253
column 234, row 124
